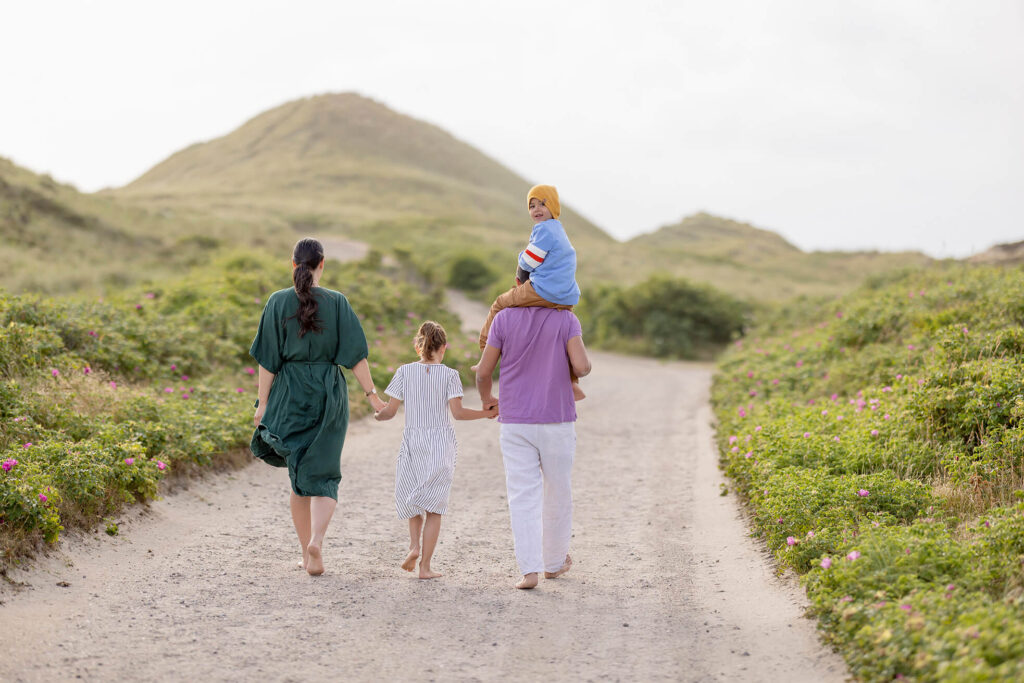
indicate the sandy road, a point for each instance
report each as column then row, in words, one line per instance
column 666, row 584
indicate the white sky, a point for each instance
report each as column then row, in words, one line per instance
column 840, row 125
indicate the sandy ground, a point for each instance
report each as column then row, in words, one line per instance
column 666, row 583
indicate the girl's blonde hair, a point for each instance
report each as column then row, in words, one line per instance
column 430, row 339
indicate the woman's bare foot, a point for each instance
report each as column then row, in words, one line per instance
column 528, row 581
column 410, row 560
column 565, row 567
column 577, row 393
column 426, row 573
column 315, row 563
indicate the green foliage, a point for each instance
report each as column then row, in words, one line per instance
column 470, row 273
column 661, row 317
column 879, row 442
column 100, row 399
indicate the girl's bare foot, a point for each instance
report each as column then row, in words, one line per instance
column 315, row 563
column 428, row 574
column 565, row 567
column 528, row 581
column 410, row 560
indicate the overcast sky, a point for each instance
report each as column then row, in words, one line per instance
column 841, row 125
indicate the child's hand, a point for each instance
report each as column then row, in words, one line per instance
column 492, row 411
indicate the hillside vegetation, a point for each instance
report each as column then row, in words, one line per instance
column 58, row 240
column 344, row 165
column 757, row 264
column 879, row 441
column 100, row 400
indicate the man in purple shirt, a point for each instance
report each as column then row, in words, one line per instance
column 538, row 431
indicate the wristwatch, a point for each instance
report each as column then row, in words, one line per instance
column 371, row 391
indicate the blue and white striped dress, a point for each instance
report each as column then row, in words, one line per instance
column 426, row 458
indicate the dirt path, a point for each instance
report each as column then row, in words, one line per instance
column 666, row 585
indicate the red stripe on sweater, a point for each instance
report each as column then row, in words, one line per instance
column 536, row 258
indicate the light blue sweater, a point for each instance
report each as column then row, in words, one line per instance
column 551, row 261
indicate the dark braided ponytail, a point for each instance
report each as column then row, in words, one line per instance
column 306, row 256
column 430, row 339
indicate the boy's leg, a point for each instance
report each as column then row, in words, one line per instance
column 522, row 296
column 415, row 529
column 431, row 530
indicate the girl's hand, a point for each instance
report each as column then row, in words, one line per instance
column 377, row 403
column 257, row 418
column 492, row 412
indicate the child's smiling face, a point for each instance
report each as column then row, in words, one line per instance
column 539, row 212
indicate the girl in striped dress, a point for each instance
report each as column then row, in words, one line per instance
column 426, row 458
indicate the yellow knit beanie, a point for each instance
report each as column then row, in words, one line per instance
column 548, row 195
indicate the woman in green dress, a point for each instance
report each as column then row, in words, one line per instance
column 305, row 334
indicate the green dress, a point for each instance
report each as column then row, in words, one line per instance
column 304, row 425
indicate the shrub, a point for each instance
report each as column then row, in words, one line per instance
column 878, row 440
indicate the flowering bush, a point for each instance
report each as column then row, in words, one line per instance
column 879, row 441
column 100, row 400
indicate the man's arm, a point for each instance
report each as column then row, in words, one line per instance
column 484, row 370
column 578, row 357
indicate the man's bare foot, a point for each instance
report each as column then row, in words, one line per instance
column 315, row 563
column 528, row 581
column 410, row 560
column 564, row 569
column 577, row 393
column 427, row 573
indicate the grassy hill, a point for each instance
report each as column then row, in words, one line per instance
column 342, row 165
column 346, row 165
column 59, row 240
column 758, row 264
column 1001, row 254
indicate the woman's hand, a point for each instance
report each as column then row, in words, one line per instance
column 377, row 403
column 257, row 418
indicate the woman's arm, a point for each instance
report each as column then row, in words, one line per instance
column 578, row 357
column 388, row 411
column 459, row 412
column 361, row 370
column 266, row 381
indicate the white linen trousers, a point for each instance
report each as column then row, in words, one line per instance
column 538, row 477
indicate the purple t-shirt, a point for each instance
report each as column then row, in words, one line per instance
column 534, row 376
